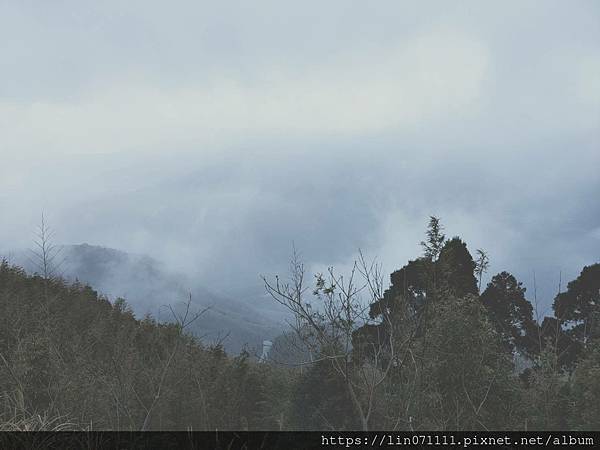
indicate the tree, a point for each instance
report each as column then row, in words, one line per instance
column 409, row 289
column 511, row 313
column 579, row 306
column 435, row 239
column 328, row 326
column 481, row 266
column 46, row 253
column 553, row 338
column 467, row 379
column 456, row 270
column 446, row 269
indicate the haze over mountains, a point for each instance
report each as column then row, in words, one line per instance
column 149, row 288
column 210, row 137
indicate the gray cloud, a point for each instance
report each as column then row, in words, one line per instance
column 213, row 135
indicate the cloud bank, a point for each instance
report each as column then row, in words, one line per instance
column 214, row 136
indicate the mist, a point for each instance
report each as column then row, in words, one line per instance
column 213, row 138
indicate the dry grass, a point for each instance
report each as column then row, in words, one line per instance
column 17, row 418
column 37, row 422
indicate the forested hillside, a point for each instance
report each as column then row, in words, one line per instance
column 434, row 350
column 148, row 286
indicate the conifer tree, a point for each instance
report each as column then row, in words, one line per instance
column 456, row 269
column 510, row 312
column 435, row 239
column 579, row 306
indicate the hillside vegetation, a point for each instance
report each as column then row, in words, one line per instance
column 431, row 352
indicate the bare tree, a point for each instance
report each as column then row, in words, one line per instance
column 327, row 327
column 45, row 254
column 482, row 264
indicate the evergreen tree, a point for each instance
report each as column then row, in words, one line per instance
column 467, row 378
column 435, row 239
column 579, row 306
column 409, row 288
column 511, row 313
column 456, row 270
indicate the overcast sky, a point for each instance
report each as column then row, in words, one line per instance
column 213, row 134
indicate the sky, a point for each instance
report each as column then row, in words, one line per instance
column 213, row 135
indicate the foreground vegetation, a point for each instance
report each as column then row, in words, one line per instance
column 429, row 352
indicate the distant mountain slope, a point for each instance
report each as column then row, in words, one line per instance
column 148, row 287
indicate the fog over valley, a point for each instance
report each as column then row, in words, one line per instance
column 213, row 149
